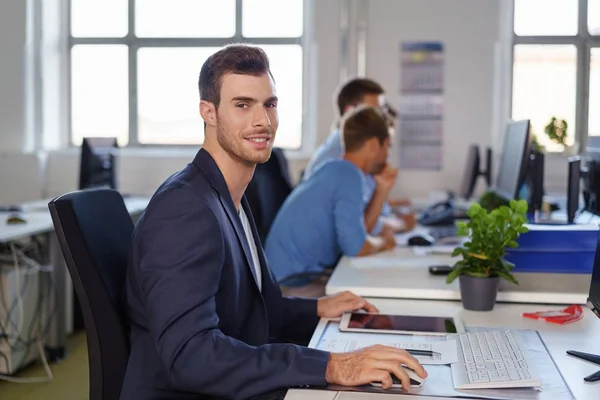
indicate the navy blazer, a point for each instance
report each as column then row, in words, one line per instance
column 200, row 326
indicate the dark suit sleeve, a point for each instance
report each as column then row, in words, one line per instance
column 182, row 253
column 299, row 319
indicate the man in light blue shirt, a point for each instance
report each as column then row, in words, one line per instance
column 354, row 92
column 324, row 218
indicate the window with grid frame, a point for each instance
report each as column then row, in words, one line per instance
column 134, row 65
column 556, row 67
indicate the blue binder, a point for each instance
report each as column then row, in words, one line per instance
column 566, row 249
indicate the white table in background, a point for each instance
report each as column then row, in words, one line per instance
column 400, row 274
column 582, row 335
column 39, row 221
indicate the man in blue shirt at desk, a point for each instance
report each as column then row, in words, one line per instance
column 353, row 93
column 324, row 217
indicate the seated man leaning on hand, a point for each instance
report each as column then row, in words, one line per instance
column 324, row 218
column 353, row 93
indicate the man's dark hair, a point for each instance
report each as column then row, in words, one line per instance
column 361, row 124
column 352, row 92
column 234, row 58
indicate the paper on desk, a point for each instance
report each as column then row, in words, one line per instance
column 429, row 250
column 375, row 262
column 439, row 380
column 570, row 227
column 346, row 342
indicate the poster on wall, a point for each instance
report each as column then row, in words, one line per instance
column 421, row 105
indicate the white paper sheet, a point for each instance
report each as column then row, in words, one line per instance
column 375, row 262
column 426, row 251
column 439, row 380
column 346, row 342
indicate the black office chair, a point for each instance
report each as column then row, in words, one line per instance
column 94, row 230
column 268, row 189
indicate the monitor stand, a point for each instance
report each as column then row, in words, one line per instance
column 588, row 357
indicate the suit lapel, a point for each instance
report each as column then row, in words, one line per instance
column 208, row 166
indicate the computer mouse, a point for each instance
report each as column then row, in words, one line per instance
column 15, row 219
column 421, row 240
column 415, row 380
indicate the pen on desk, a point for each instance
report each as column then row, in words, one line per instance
column 427, row 353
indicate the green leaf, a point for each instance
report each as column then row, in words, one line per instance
column 512, row 244
column 508, row 276
column 454, row 274
column 521, row 207
column 457, row 251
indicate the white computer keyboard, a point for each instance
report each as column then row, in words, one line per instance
column 491, row 359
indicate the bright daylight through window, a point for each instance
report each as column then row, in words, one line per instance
column 135, row 64
column 556, row 61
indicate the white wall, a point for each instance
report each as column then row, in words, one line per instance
column 12, row 74
column 469, row 30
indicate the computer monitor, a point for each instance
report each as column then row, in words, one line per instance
column 535, row 181
column 487, row 174
column 514, row 160
column 591, row 180
column 97, row 165
column 573, row 184
column 471, row 173
column 594, row 303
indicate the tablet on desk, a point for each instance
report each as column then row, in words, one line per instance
column 400, row 324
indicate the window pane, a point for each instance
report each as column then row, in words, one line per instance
column 99, row 92
column 594, row 105
column 546, row 17
column 185, row 18
column 168, row 94
column 106, row 18
column 286, row 66
column 544, row 86
column 272, row 18
column 594, row 17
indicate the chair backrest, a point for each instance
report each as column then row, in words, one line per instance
column 94, row 230
column 268, row 189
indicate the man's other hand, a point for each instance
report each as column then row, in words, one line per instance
column 335, row 305
column 385, row 179
column 389, row 237
column 372, row 364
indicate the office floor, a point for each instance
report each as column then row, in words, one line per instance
column 70, row 377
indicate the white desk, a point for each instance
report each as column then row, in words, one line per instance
column 410, row 279
column 39, row 221
column 582, row 335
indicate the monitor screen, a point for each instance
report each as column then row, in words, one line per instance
column 514, row 159
column 594, row 296
column 573, row 187
column 471, row 173
column 97, row 164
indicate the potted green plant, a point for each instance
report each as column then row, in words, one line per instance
column 556, row 130
column 483, row 264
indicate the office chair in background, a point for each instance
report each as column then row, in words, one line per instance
column 94, row 230
column 268, row 189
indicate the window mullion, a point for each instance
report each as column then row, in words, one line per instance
column 239, row 37
column 132, row 73
column 582, row 99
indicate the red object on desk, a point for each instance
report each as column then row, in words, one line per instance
column 565, row 316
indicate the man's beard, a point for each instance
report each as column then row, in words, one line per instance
column 234, row 146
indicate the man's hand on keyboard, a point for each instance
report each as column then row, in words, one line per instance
column 372, row 364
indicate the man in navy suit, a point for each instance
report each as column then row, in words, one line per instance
column 207, row 318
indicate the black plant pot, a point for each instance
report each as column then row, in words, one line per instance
column 478, row 294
